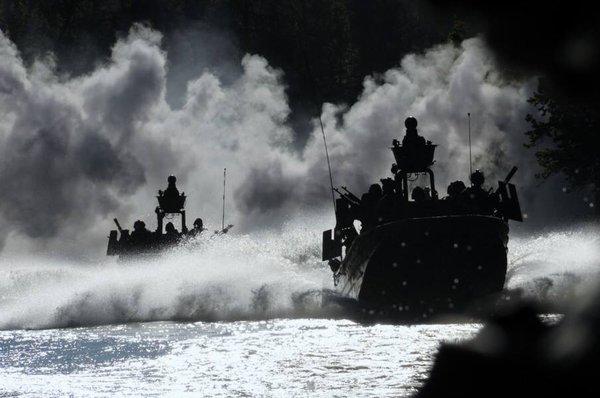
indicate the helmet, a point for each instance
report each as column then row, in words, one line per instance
column 456, row 188
column 418, row 194
column 172, row 179
column 477, row 178
column 388, row 185
column 198, row 223
column 410, row 123
column 138, row 225
column 375, row 189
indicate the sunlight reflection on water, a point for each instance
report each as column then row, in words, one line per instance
column 260, row 358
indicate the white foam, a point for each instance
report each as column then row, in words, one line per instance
column 267, row 275
column 216, row 278
column 555, row 266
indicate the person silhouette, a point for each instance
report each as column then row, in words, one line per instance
column 455, row 189
column 477, row 198
column 368, row 205
column 140, row 237
column 412, row 139
column 419, row 195
column 198, row 227
column 171, row 191
column 455, row 196
column 387, row 207
column 171, row 234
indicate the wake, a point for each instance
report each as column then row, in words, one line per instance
column 555, row 267
column 212, row 279
column 228, row 278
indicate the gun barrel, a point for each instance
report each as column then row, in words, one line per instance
column 510, row 174
column 118, row 225
column 348, row 197
column 351, row 195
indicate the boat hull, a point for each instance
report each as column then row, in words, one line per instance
column 422, row 267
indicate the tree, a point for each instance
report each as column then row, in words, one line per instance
column 572, row 128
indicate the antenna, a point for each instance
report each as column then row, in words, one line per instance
column 224, row 179
column 315, row 94
column 328, row 162
column 470, row 158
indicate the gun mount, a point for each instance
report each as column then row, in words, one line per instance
column 413, row 159
column 170, row 201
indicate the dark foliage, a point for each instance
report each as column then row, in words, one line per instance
column 325, row 47
column 572, row 131
column 81, row 31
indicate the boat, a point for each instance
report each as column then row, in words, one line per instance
column 144, row 243
column 420, row 257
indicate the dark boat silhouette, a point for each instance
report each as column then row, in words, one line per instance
column 142, row 242
column 415, row 259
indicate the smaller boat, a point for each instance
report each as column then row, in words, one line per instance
column 142, row 242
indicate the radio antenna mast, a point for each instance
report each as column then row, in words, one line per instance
column 470, row 157
column 315, row 95
column 328, row 162
column 224, row 179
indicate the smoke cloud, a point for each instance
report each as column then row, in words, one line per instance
column 76, row 151
column 438, row 87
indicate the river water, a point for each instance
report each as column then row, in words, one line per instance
column 279, row 357
column 233, row 316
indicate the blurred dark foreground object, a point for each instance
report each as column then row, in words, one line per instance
column 518, row 355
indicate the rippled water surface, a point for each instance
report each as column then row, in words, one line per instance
column 247, row 358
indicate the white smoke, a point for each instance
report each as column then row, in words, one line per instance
column 439, row 88
column 78, row 151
